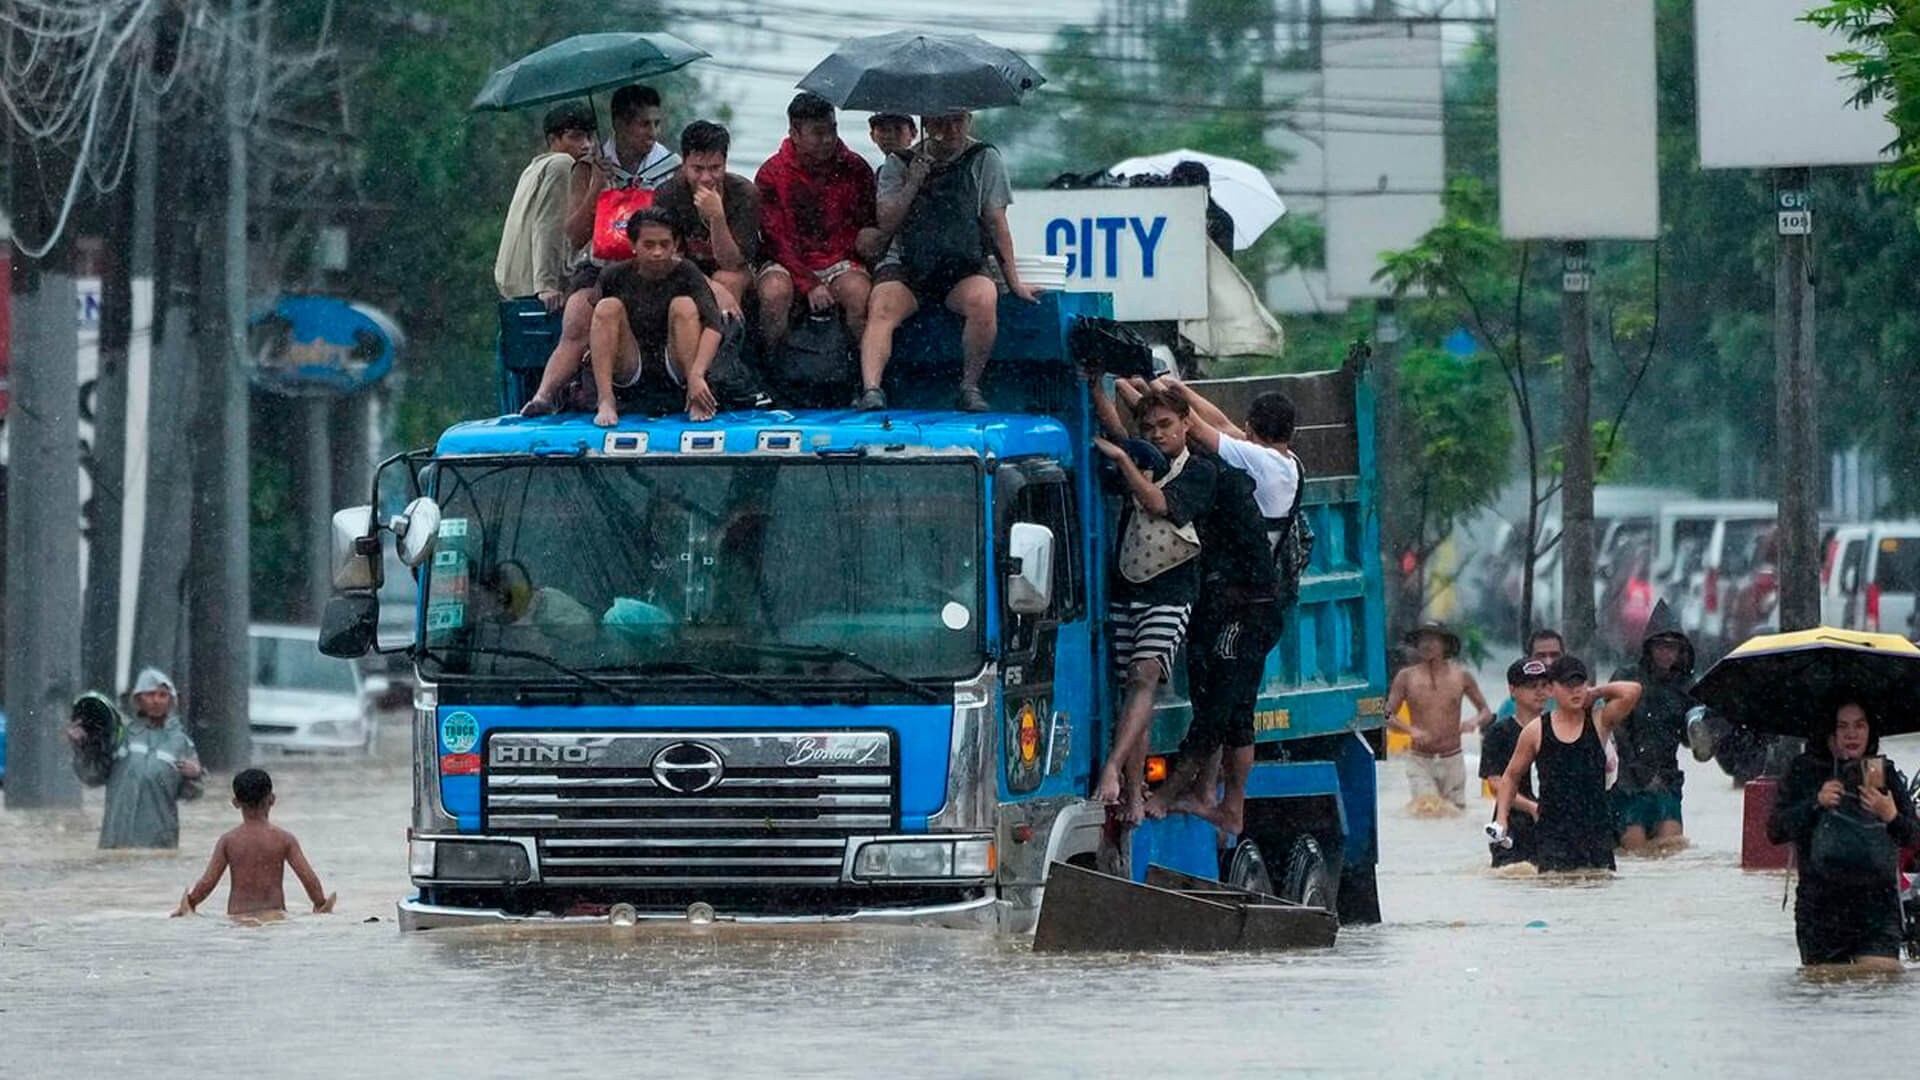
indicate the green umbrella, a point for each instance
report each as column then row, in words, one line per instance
column 581, row 65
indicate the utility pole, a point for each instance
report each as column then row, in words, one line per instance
column 43, row 500
column 1390, row 458
column 220, row 602
column 1576, row 491
column 107, row 461
column 160, row 623
column 1794, row 402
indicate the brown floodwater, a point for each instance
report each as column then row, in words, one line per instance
column 1682, row 966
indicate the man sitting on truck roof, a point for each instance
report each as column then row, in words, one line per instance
column 656, row 330
column 533, row 242
column 1156, row 575
column 716, row 211
column 816, row 195
column 631, row 158
column 942, row 199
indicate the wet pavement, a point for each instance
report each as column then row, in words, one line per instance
column 1682, row 966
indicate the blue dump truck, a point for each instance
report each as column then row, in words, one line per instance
column 827, row 665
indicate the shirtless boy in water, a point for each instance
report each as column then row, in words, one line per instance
column 258, row 854
column 1432, row 691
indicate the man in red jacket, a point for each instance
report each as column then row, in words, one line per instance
column 815, row 197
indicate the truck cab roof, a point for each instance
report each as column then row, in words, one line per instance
column 898, row 433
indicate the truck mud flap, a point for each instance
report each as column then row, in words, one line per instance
column 1088, row 911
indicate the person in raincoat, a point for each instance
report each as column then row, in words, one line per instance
column 1646, row 797
column 150, row 765
column 1844, row 828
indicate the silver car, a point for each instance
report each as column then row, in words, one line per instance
column 303, row 701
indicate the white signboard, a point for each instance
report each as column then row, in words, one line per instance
column 1146, row 246
column 1578, row 156
column 1385, row 160
column 1770, row 98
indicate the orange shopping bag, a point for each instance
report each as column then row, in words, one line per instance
column 610, row 214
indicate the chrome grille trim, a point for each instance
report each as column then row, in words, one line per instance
column 780, row 812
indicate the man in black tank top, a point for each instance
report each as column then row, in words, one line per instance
column 1575, row 829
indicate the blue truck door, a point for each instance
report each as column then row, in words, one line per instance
column 1047, row 721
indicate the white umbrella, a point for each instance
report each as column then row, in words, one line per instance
column 1242, row 190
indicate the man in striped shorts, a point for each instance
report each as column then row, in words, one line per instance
column 1156, row 572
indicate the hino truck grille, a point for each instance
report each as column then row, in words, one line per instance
column 690, row 808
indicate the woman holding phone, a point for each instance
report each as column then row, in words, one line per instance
column 1846, row 811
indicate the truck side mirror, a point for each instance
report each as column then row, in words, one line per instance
column 1030, row 582
column 415, row 530
column 349, row 625
column 356, row 549
column 1850, row 579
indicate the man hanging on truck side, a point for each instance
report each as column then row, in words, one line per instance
column 1240, row 612
column 1156, row 573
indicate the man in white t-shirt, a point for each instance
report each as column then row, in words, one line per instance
column 1234, row 661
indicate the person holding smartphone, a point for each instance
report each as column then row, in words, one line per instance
column 1846, row 811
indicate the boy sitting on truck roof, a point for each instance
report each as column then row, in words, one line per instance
column 656, row 332
column 816, row 195
column 1156, row 575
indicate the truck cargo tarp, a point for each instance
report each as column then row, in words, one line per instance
column 1238, row 323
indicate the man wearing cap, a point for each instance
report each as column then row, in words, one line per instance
column 1432, row 691
column 151, row 766
column 1574, row 827
column 1527, row 690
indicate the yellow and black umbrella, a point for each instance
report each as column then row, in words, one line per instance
column 1780, row 683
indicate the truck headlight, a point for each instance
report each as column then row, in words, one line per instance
column 924, row 859
column 462, row 860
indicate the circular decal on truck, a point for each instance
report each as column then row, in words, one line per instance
column 459, row 732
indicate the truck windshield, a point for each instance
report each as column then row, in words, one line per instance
column 628, row 569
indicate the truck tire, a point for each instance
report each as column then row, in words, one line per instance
column 1308, row 880
column 1247, row 869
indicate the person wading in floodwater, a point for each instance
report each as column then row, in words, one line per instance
column 1845, row 810
column 1432, row 691
column 1575, row 827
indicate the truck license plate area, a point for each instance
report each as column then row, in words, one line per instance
column 671, row 809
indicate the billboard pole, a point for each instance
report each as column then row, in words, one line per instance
column 1798, row 449
column 1576, row 491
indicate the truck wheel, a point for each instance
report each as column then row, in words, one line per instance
column 1247, row 870
column 1308, row 880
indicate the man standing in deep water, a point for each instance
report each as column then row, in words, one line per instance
column 150, row 765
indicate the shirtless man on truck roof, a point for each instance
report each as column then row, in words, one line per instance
column 1432, row 691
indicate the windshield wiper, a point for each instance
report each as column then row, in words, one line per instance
column 833, row 652
column 597, row 683
column 712, row 673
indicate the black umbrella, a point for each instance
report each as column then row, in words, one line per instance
column 922, row 74
column 1782, row 684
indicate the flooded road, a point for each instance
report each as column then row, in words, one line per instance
column 1684, row 966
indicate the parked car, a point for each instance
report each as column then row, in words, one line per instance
column 1754, row 607
column 1691, row 561
column 301, row 700
column 1628, row 601
column 1891, row 578
column 1846, row 551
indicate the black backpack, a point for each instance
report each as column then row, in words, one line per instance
column 1293, row 549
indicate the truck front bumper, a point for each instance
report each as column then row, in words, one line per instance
column 980, row 913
